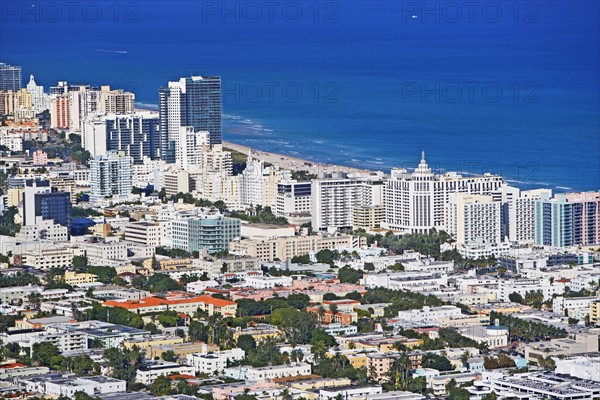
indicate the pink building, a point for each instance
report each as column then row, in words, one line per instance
column 40, row 157
column 59, row 112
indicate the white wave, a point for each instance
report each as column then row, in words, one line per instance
column 112, row 51
column 564, row 187
column 147, row 106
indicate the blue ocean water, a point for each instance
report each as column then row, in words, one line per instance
column 505, row 87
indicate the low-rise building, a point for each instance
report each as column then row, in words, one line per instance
column 74, row 278
column 595, row 313
column 582, row 367
column 57, row 385
column 154, row 369
column 545, row 386
column 506, row 287
column 144, row 232
column 267, row 282
column 187, row 305
column 429, row 314
column 277, row 371
column 285, row 248
column 340, row 329
column 494, row 335
column 362, row 392
column 421, row 281
column 573, row 307
column 215, row 362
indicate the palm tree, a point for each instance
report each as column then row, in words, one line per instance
column 35, row 299
column 321, row 313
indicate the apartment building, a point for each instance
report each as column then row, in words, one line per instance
column 284, row 248
column 417, row 201
column 335, row 198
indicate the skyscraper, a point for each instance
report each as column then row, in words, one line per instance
column 417, row 201
column 111, row 175
column 10, row 77
column 40, row 100
column 41, row 200
column 568, row 219
column 193, row 101
column 137, row 134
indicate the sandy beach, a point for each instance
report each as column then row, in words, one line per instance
column 291, row 163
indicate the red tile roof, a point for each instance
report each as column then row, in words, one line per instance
column 156, row 301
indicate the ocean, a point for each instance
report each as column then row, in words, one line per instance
column 507, row 87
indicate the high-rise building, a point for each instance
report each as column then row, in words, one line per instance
column 94, row 136
column 417, row 201
column 293, row 198
column 16, row 103
column 40, row 100
column 473, row 219
column 111, row 176
column 189, row 148
column 258, row 184
column 137, row 134
column 210, row 232
column 568, row 219
column 91, row 100
column 518, row 209
column 193, row 101
column 42, row 200
column 10, row 77
column 60, row 112
column 334, row 199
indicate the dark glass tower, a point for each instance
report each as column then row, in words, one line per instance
column 137, row 135
column 10, row 77
column 193, row 101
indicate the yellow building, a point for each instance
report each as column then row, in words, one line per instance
column 149, row 343
column 183, row 349
column 259, row 332
column 74, row 278
column 319, row 383
column 174, row 264
column 595, row 312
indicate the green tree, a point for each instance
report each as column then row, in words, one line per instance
column 104, row 274
column 320, row 336
column 246, row 343
column 162, row 283
column 125, row 363
column 396, row 267
column 399, row 374
column 161, row 386
column 168, row 318
column 298, row 326
column 349, row 275
column 82, row 396
column 459, row 394
column 515, row 297
column 80, row 263
column 327, row 256
column 436, row 361
column 490, row 396
column 169, row 355
column 302, row 259
column 44, row 353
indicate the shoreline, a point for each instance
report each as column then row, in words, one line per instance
column 291, row 163
column 281, row 160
